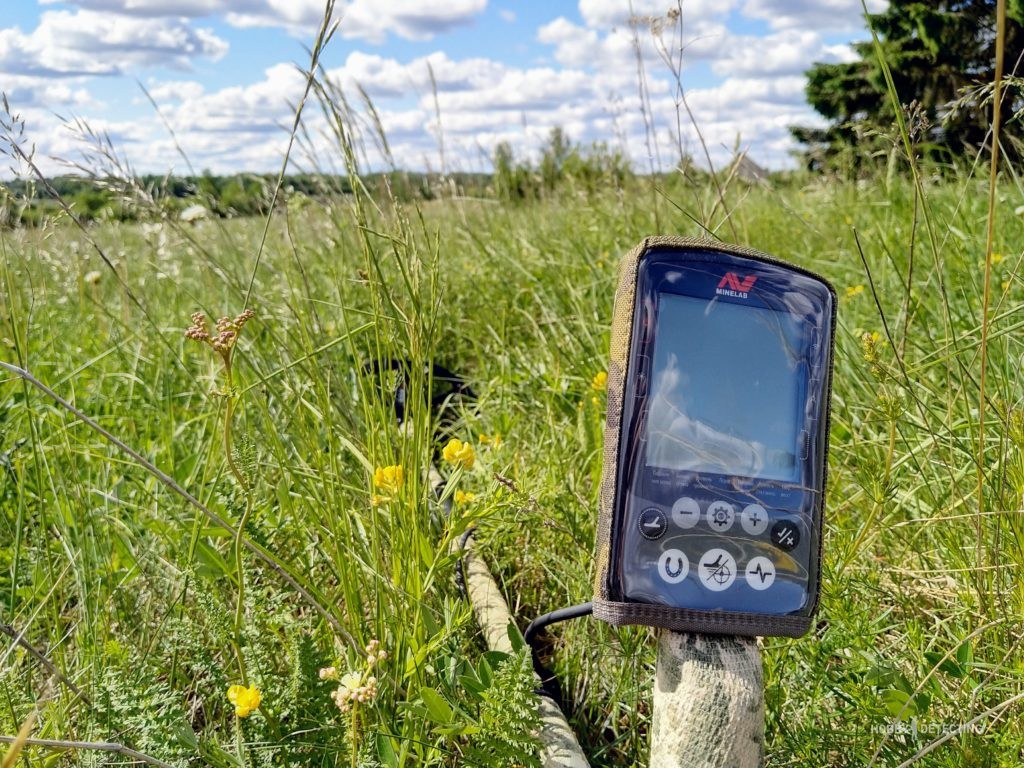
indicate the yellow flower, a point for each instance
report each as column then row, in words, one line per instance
column 600, row 381
column 595, row 400
column 376, row 499
column 854, row 290
column 464, row 497
column 459, row 453
column 245, row 700
column 494, row 439
column 389, row 479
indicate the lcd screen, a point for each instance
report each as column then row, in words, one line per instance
column 727, row 380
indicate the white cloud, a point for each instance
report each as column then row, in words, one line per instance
column 790, row 51
column 821, row 15
column 612, row 13
column 507, row 15
column 519, row 89
column 156, row 8
column 26, row 91
column 175, row 90
column 365, row 19
column 94, row 43
column 383, row 77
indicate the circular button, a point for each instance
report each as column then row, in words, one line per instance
column 673, row 566
column 717, row 570
column 686, row 512
column 653, row 523
column 754, row 519
column 785, row 535
column 721, row 516
column 760, row 573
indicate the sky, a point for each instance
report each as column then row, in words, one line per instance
column 226, row 75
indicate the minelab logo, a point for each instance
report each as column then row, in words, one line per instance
column 732, row 284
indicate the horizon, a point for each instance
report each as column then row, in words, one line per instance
column 225, row 77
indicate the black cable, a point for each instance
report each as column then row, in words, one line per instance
column 549, row 685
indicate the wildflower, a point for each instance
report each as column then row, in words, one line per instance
column 374, row 653
column 227, row 332
column 464, row 497
column 600, row 381
column 328, row 673
column 595, row 401
column 869, row 349
column 459, row 453
column 854, row 290
column 92, row 278
column 377, row 499
column 494, row 440
column 245, row 700
column 389, row 479
column 352, row 690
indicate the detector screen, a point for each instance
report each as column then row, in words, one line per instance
column 726, row 382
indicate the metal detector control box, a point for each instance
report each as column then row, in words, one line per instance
column 715, row 450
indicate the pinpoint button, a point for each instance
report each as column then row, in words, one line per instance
column 653, row 523
column 717, row 570
column 673, row 566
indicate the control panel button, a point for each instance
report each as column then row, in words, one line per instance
column 760, row 573
column 673, row 566
column 653, row 523
column 785, row 535
column 754, row 519
column 717, row 570
column 686, row 512
column 721, row 516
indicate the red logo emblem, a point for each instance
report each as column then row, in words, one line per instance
column 733, row 282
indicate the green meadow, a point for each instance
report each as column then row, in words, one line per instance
column 254, row 531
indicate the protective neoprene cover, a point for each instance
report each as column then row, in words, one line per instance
column 695, row 516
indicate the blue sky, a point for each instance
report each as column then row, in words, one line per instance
column 224, row 75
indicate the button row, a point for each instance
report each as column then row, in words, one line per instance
column 716, row 570
column 720, row 516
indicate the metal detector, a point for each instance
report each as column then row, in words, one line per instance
column 716, row 441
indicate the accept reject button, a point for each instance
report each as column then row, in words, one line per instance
column 785, row 535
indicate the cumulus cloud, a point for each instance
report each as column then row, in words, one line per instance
column 156, row 8
column 611, row 13
column 26, row 91
column 384, row 77
column 822, row 15
column 791, row 51
column 175, row 90
column 94, row 43
column 365, row 19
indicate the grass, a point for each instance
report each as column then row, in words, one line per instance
column 129, row 609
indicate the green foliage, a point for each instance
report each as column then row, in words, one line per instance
column 563, row 166
column 941, row 56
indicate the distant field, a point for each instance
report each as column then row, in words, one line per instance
column 142, row 603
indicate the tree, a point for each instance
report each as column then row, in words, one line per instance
column 941, row 54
